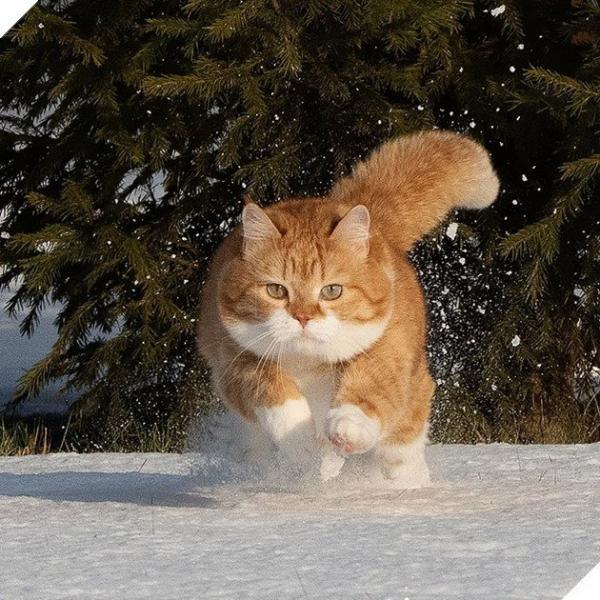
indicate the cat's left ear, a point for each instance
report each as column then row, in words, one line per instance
column 354, row 229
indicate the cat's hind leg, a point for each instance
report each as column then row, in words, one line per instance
column 403, row 461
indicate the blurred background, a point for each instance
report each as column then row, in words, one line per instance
column 129, row 132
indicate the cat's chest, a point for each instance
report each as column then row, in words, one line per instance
column 318, row 386
column 317, row 383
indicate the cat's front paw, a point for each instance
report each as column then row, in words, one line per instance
column 291, row 427
column 351, row 431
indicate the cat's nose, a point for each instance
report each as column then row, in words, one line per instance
column 302, row 318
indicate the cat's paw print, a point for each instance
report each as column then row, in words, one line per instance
column 351, row 431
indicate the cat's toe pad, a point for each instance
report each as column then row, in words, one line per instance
column 341, row 444
column 351, row 431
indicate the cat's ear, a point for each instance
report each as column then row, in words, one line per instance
column 354, row 229
column 256, row 227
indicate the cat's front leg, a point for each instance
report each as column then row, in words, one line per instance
column 291, row 427
column 351, row 430
column 274, row 402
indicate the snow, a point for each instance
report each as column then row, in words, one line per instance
column 500, row 521
column 498, row 10
column 452, row 230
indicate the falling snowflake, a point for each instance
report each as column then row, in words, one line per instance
column 515, row 341
column 498, row 10
column 451, row 231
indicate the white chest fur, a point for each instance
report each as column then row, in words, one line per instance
column 317, row 383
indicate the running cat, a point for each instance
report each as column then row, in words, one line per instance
column 313, row 321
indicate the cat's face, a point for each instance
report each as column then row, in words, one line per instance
column 304, row 288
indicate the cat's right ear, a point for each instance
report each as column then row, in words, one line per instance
column 256, row 227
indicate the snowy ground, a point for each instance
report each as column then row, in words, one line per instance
column 500, row 522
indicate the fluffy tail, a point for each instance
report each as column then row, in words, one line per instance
column 410, row 184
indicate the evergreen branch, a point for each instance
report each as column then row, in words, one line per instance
column 31, row 383
column 232, row 21
column 172, row 27
column 75, row 204
column 582, row 169
column 540, row 238
column 511, row 18
column 288, row 55
column 315, row 9
column 57, row 29
column 442, row 15
column 193, row 85
column 48, row 237
column 31, row 320
column 578, row 94
column 229, row 151
column 209, row 78
column 536, row 280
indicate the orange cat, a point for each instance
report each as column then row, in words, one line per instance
column 313, row 321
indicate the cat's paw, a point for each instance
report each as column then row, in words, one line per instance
column 291, row 427
column 351, row 431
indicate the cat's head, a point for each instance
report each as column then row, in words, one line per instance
column 308, row 281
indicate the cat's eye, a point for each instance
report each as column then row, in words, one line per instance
column 276, row 290
column 331, row 292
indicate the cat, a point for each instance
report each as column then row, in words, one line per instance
column 313, row 321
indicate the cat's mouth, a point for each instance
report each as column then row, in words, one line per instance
column 306, row 336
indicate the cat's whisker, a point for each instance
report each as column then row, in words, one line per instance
column 279, row 367
column 245, row 348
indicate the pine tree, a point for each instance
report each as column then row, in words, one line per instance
column 131, row 130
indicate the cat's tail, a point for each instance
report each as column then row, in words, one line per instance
column 411, row 183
